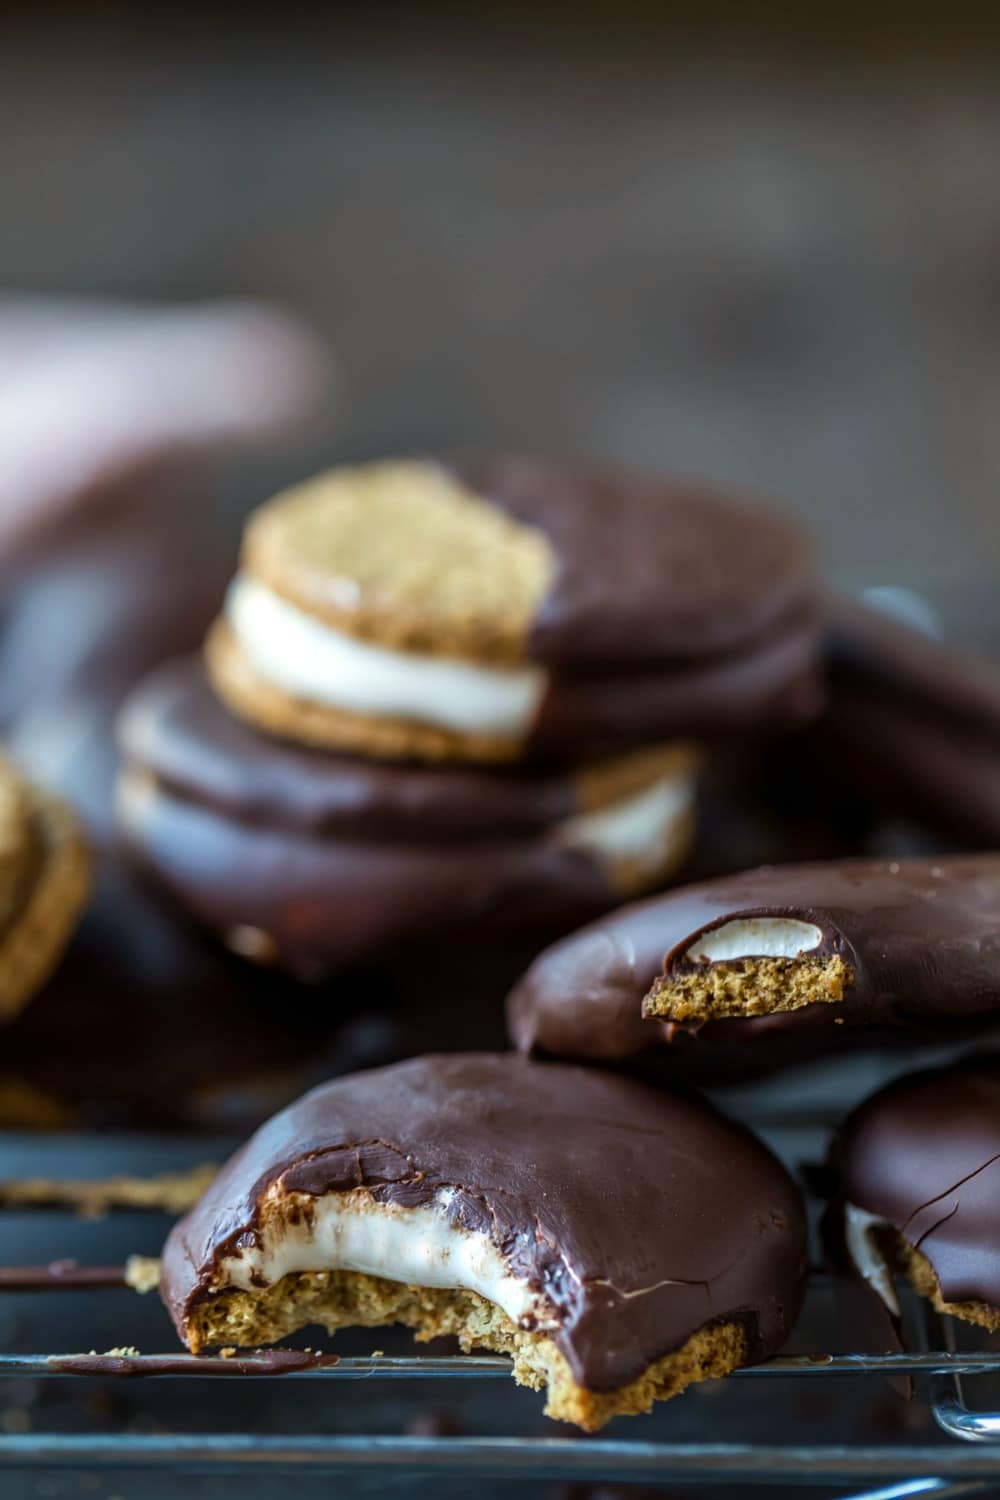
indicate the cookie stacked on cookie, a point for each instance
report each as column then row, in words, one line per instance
column 450, row 694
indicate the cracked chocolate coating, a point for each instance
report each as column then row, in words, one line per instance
column 922, row 937
column 641, row 1216
column 647, row 569
column 924, row 1154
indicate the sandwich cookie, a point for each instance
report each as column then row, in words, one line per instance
column 773, row 955
column 919, row 1170
column 491, row 610
column 44, row 877
column 617, row 1242
column 313, row 859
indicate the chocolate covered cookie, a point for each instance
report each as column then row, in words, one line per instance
column 617, row 1242
column 312, row 858
column 776, row 953
column 488, row 610
column 44, row 872
column 919, row 1170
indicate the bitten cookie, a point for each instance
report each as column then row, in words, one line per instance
column 617, row 1242
column 44, row 878
column 919, row 1170
column 482, row 611
column 755, row 960
column 313, row 859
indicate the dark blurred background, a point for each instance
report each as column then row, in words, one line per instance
column 760, row 246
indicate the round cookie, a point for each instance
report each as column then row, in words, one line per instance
column 919, row 1168
column 775, row 963
column 44, row 877
column 315, row 859
column 484, row 611
column 618, row 1242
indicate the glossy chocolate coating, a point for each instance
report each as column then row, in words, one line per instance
column 326, row 902
column 332, row 856
column 175, row 727
column 924, row 1154
column 921, row 936
column 642, row 1217
column 647, row 569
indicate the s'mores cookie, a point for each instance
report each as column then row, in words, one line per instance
column 446, row 696
column 44, row 878
column 488, row 610
column 619, row 1243
column 919, row 1171
column 810, row 954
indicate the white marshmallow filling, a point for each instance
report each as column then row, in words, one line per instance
column 643, row 831
column 413, row 1245
column 756, row 937
column 862, row 1246
column 307, row 658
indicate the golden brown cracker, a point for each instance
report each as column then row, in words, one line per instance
column 400, row 553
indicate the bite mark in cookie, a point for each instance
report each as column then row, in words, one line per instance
column 618, row 1243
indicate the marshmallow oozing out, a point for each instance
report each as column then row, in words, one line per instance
column 415, row 1245
column 859, row 1225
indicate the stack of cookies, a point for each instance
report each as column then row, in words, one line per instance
column 460, row 698
column 461, row 695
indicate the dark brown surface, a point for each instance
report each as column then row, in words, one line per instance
column 924, row 1154
column 922, row 937
column 642, row 1217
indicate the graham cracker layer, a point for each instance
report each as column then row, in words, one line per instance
column 54, row 884
column 342, row 1299
column 923, row 1277
column 252, row 698
column 747, row 987
column 402, row 554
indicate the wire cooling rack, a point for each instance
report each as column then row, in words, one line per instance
column 825, row 1421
